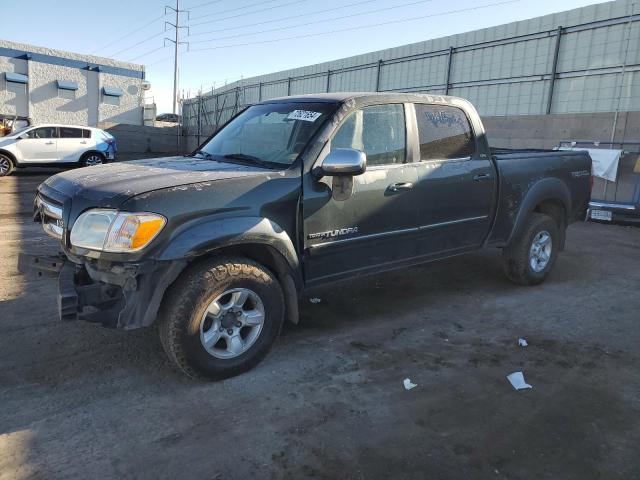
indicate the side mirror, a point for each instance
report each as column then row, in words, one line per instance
column 342, row 162
column 22, row 137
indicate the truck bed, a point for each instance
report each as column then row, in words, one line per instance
column 525, row 175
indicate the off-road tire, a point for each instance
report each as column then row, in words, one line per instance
column 187, row 299
column 516, row 259
column 7, row 162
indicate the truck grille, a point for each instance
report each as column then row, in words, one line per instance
column 50, row 216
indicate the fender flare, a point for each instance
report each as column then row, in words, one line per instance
column 543, row 190
column 204, row 236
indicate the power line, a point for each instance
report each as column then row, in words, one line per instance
column 261, row 2
column 137, row 43
column 121, row 37
column 284, row 18
column 159, row 61
column 359, row 14
column 204, row 4
column 146, row 53
column 403, row 20
column 247, row 13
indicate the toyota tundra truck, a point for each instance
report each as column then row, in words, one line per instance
column 218, row 247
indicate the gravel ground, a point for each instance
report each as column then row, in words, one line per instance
column 80, row 401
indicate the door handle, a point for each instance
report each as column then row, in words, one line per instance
column 481, row 177
column 83, row 142
column 48, row 143
column 398, row 187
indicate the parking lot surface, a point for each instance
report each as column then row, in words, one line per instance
column 81, row 401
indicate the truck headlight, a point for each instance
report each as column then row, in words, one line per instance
column 113, row 231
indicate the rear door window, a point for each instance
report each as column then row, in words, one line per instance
column 444, row 133
column 68, row 132
column 86, row 133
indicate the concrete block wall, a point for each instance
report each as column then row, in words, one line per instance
column 137, row 141
column 546, row 131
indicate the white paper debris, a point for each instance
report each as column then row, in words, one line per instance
column 517, row 380
column 315, row 300
column 408, row 385
column 522, row 342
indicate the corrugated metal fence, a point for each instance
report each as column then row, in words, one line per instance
column 536, row 66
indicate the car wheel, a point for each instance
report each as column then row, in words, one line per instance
column 92, row 158
column 530, row 258
column 6, row 166
column 221, row 317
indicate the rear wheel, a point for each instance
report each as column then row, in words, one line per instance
column 221, row 317
column 92, row 158
column 6, row 166
column 530, row 257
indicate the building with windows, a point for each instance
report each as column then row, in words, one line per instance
column 52, row 86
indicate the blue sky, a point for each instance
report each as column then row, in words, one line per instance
column 219, row 31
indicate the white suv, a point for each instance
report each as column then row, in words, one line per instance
column 55, row 144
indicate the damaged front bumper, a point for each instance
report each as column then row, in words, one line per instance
column 117, row 295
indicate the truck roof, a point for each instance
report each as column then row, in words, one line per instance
column 338, row 97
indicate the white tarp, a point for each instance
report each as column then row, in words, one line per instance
column 605, row 161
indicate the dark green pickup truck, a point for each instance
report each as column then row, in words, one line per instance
column 295, row 192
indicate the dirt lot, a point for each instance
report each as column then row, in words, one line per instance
column 80, row 401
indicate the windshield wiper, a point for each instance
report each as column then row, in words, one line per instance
column 252, row 160
column 206, row 155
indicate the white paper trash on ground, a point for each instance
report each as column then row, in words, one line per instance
column 408, row 385
column 522, row 342
column 517, row 380
column 605, row 161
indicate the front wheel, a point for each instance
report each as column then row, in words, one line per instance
column 221, row 317
column 530, row 257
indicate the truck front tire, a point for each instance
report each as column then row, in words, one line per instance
column 221, row 317
column 531, row 256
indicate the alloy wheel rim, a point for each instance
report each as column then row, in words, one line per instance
column 540, row 251
column 93, row 160
column 232, row 323
column 4, row 166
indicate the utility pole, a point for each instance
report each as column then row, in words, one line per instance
column 176, row 43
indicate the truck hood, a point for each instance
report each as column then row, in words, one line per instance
column 111, row 184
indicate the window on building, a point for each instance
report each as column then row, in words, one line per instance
column 444, row 133
column 17, row 88
column 378, row 130
column 43, row 132
column 67, row 94
column 111, row 95
column 109, row 100
column 67, row 89
column 68, row 132
column 16, row 83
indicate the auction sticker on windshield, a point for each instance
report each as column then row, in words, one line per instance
column 305, row 115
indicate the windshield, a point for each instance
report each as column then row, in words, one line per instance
column 19, row 131
column 272, row 134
